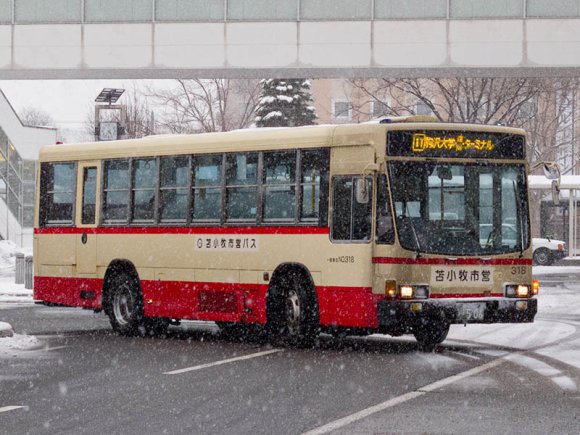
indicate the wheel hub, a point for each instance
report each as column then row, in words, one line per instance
column 293, row 312
column 123, row 305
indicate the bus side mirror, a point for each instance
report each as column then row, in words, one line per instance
column 555, row 192
column 362, row 190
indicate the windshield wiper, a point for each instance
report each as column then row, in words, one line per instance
column 417, row 243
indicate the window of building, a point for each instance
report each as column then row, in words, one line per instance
column 36, row 11
column 189, row 10
column 207, row 188
column 342, row 110
column 118, row 11
column 313, row 185
column 379, row 108
column 414, row 9
column 241, row 186
column 335, row 10
column 279, row 180
column 144, row 190
column 553, row 8
column 58, row 181
column 262, row 10
column 116, row 192
column 174, row 189
column 421, row 108
column 5, row 11
column 485, row 9
column 351, row 219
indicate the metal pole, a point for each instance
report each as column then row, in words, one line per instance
column 571, row 222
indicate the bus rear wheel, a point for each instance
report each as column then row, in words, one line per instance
column 125, row 305
column 431, row 333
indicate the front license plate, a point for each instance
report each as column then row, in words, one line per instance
column 471, row 311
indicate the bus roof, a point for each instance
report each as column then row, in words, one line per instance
column 249, row 140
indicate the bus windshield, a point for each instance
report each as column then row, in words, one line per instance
column 460, row 208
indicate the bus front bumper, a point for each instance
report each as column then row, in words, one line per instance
column 405, row 314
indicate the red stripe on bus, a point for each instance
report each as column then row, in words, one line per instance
column 185, row 230
column 459, row 261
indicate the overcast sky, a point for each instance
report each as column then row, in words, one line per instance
column 67, row 101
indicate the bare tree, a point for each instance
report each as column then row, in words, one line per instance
column 33, row 117
column 198, row 105
column 471, row 100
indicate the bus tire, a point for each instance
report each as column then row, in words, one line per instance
column 125, row 305
column 431, row 333
column 293, row 312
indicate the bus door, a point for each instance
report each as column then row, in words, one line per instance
column 87, row 217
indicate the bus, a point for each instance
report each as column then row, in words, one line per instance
column 394, row 227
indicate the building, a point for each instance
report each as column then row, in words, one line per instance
column 19, row 146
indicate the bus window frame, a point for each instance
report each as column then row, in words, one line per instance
column 44, row 192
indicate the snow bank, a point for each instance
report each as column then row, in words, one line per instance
column 6, row 330
column 10, row 346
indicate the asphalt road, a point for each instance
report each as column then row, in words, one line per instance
column 85, row 379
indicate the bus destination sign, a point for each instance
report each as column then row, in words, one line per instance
column 457, row 144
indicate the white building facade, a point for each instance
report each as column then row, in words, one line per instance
column 19, row 146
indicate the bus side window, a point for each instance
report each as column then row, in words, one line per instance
column 143, row 190
column 207, row 188
column 58, row 181
column 313, row 205
column 385, row 232
column 116, row 192
column 279, row 186
column 350, row 220
column 173, row 189
column 241, row 186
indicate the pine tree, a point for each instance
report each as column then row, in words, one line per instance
column 285, row 103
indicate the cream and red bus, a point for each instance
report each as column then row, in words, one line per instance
column 403, row 226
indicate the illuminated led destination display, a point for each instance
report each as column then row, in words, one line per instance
column 458, row 144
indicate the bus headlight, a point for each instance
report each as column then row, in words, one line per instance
column 414, row 291
column 517, row 291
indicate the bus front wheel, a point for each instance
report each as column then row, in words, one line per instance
column 294, row 319
column 431, row 333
